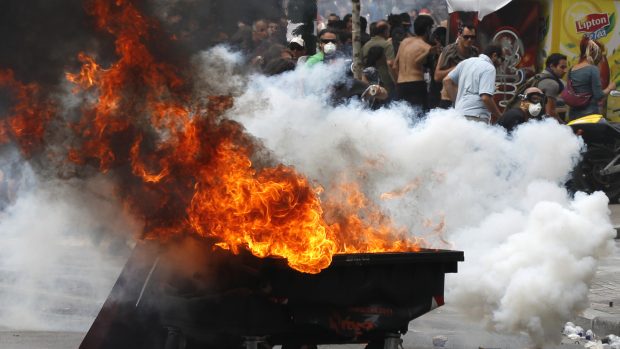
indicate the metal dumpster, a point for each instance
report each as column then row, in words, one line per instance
column 239, row 300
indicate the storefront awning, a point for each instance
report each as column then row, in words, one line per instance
column 483, row 7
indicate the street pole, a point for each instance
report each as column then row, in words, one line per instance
column 357, row 40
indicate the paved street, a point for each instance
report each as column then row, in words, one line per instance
column 39, row 340
column 602, row 316
column 463, row 333
column 606, row 285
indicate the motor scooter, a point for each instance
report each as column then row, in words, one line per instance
column 599, row 168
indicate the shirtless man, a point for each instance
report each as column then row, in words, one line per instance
column 452, row 55
column 409, row 64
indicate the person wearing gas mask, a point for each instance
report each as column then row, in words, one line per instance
column 531, row 106
column 328, row 47
column 379, row 35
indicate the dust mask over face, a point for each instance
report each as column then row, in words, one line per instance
column 534, row 109
column 329, row 48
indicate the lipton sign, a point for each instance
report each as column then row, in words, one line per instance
column 595, row 25
column 592, row 23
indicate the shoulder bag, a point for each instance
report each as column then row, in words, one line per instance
column 573, row 98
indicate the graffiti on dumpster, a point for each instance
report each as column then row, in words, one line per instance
column 348, row 326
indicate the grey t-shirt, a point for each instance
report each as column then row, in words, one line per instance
column 586, row 79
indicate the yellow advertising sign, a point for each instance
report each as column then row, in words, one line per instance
column 598, row 20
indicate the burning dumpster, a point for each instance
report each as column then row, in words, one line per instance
column 236, row 300
column 281, row 258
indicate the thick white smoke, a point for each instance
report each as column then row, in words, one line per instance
column 62, row 246
column 222, row 72
column 530, row 249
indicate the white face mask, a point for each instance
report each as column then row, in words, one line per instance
column 534, row 109
column 329, row 48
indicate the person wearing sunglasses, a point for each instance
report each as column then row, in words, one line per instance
column 453, row 54
column 531, row 106
column 328, row 46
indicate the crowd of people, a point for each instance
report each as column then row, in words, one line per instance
column 405, row 59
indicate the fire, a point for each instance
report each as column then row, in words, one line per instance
column 361, row 226
column 272, row 212
column 29, row 116
column 88, row 75
column 186, row 169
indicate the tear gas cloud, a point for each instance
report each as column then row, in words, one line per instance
column 63, row 244
column 530, row 248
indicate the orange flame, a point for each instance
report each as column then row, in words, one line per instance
column 272, row 212
column 185, row 169
column 29, row 116
column 361, row 226
column 88, row 74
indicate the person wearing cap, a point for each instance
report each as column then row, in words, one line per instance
column 531, row 106
column 297, row 47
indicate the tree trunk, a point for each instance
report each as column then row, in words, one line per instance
column 357, row 40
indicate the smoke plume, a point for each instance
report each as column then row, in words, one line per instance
column 531, row 249
column 63, row 244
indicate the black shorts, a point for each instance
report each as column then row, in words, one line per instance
column 414, row 92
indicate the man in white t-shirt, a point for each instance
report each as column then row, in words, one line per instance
column 471, row 85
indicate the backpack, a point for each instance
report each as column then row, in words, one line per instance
column 531, row 82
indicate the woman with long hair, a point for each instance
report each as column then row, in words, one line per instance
column 585, row 77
